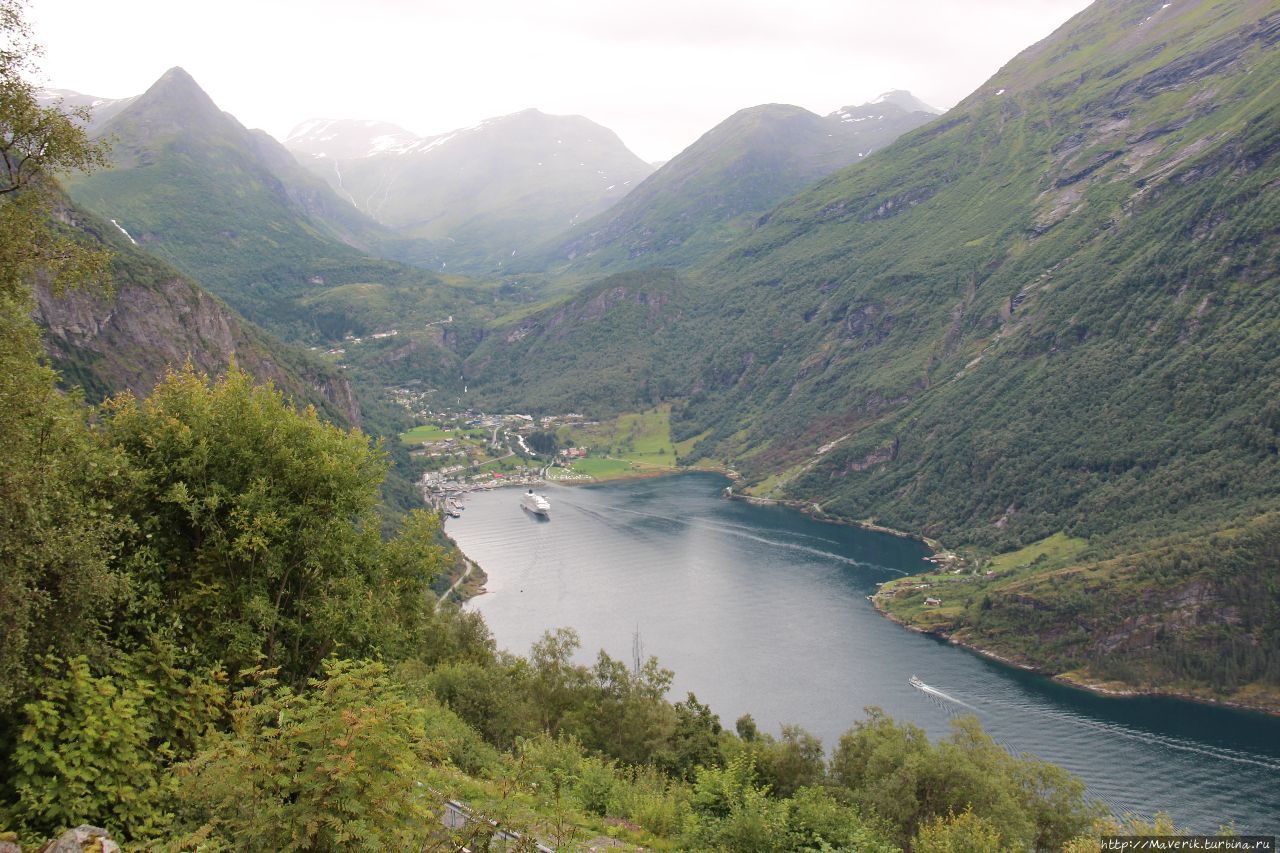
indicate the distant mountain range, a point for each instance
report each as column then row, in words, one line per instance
column 714, row 190
column 481, row 194
column 101, row 110
column 513, row 194
column 232, row 207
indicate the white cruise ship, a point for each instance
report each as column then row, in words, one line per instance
column 536, row 504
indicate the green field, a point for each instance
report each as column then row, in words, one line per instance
column 632, row 444
column 1054, row 550
column 507, row 463
column 958, row 591
column 643, row 437
column 603, row 469
column 427, row 432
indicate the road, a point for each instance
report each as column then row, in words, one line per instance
column 458, row 582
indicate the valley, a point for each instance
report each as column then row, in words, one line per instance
column 988, row 307
column 264, row 395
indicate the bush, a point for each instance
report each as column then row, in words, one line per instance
column 97, row 747
column 341, row 764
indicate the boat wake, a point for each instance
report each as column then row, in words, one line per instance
column 1152, row 739
column 741, row 532
column 935, row 692
column 1217, row 752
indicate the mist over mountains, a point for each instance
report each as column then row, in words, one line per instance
column 481, row 193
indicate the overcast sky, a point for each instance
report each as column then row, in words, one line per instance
column 659, row 72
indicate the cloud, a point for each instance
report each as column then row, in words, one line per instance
column 659, row 72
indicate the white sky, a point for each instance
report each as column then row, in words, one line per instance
column 659, row 72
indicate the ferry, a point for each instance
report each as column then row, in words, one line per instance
column 536, row 504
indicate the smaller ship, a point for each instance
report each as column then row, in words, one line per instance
column 917, row 683
column 536, row 504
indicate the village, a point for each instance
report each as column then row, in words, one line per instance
column 461, row 451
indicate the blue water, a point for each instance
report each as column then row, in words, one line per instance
column 764, row 610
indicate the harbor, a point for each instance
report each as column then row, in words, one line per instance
column 447, row 495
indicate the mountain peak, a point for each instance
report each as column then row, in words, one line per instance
column 176, row 82
column 177, row 74
column 348, row 138
column 178, row 90
column 907, row 101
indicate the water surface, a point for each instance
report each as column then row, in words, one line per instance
column 764, row 610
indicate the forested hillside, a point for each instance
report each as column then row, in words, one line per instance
column 146, row 317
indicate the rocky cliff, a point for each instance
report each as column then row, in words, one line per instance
column 153, row 318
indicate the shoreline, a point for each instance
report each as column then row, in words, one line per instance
column 1097, row 688
column 814, row 510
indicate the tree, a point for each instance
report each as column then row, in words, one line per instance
column 696, row 740
column 97, row 746
column 819, row 822
column 962, row 833
column 57, row 533
column 36, row 145
column 258, row 538
column 625, row 714
column 732, row 813
column 897, row 773
column 543, row 442
column 796, row 761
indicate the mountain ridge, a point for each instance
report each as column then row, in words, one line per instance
column 233, row 208
column 712, row 192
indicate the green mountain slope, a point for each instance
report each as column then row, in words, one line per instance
column 713, row 191
column 1052, row 310
column 479, row 195
column 232, row 207
column 1085, row 261
column 565, row 353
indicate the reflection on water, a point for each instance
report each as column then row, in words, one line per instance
column 763, row 610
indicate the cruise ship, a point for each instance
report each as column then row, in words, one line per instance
column 536, row 504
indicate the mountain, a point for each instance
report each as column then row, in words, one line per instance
column 566, row 351
column 481, row 194
column 153, row 318
column 232, row 208
column 716, row 189
column 899, row 99
column 100, row 109
column 1046, row 317
column 192, row 184
column 336, row 140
